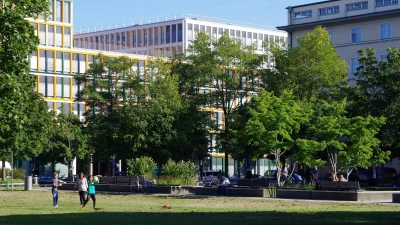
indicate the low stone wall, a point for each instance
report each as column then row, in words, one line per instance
column 239, row 192
column 359, row 196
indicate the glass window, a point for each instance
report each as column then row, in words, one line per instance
column 59, row 62
column 265, row 37
column 67, row 37
column 202, row 28
column 383, row 57
column 238, row 33
column 303, row 14
column 133, row 38
column 145, row 39
column 67, row 12
column 162, row 33
column 232, row 33
column 51, row 35
column 190, row 26
column 385, row 30
column 329, row 10
column 59, row 87
column 59, row 36
column 255, row 36
column 67, row 61
column 180, row 34
column 220, row 31
column 196, row 27
column 208, row 30
column 58, row 11
column 357, row 6
column 168, row 34
column 356, row 34
column 42, row 34
column 243, row 34
column 248, row 34
column 354, row 64
column 331, row 33
column 260, row 37
column 173, row 33
column 156, row 36
column 34, row 61
column 386, row 2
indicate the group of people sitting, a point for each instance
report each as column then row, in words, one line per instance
column 333, row 177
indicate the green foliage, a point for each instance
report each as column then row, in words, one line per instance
column 273, row 124
column 350, row 142
column 18, row 173
column 140, row 166
column 185, row 172
column 376, row 93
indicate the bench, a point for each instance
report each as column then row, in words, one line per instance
column 123, row 180
column 252, row 183
column 107, row 180
column 338, row 186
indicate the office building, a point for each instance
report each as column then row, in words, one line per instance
column 163, row 36
column 352, row 24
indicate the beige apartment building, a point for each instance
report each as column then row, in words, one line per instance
column 352, row 24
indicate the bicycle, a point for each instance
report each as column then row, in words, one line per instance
column 141, row 184
column 207, row 181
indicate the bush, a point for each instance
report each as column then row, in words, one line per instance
column 18, row 173
column 183, row 172
column 140, row 166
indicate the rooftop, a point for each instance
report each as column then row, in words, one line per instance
column 99, row 28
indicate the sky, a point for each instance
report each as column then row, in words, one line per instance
column 96, row 13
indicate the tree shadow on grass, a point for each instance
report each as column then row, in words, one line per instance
column 168, row 216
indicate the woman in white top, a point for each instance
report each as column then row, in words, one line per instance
column 82, row 185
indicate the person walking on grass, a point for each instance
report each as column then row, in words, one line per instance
column 82, row 185
column 91, row 192
column 54, row 190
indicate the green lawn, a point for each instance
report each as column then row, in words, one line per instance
column 35, row 207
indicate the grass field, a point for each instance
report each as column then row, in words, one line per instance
column 35, row 207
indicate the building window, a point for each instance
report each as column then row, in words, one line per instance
column 220, row 31
column 67, row 12
column 357, row 6
column 331, row 33
column 303, row 14
column 190, row 26
column 354, row 64
column 173, row 28
column 180, row 35
column 383, row 57
column 385, row 30
column 58, row 11
column 329, row 10
column 386, row 2
column 356, row 34
column 168, row 34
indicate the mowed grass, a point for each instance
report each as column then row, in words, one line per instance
column 35, row 207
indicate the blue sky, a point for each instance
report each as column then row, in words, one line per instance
column 91, row 13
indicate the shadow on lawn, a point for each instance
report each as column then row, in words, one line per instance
column 168, row 216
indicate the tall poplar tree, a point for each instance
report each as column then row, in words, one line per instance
column 23, row 112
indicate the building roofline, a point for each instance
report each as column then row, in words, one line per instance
column 315, row 3
column 356, row 18
column 167, row 19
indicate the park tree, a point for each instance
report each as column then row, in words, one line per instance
column 150, row 113
column 350, row 143
column 67, row 140
column 103, row 95
column 23, row 115
column 273, row 124
column 225, row 72
column 376, row 93
column 312, row 71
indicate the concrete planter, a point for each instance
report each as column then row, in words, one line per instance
column 358, row 196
